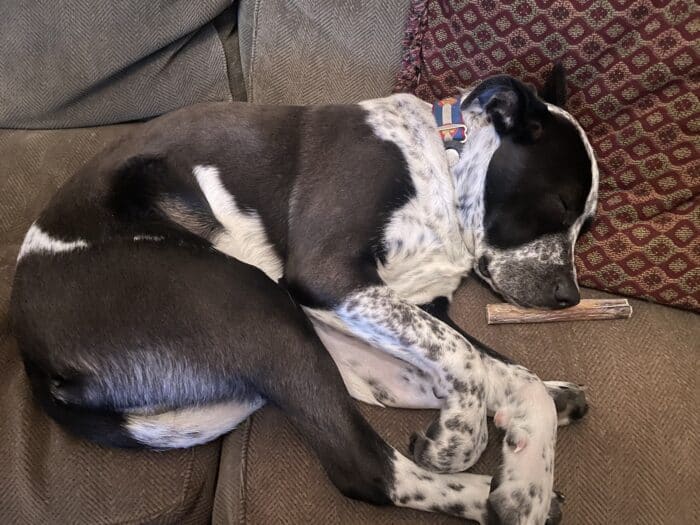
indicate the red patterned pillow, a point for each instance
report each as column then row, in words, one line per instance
column 633, row 74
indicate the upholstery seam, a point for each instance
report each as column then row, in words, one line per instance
column 226, row 68
column 188, row 476
column 163, row 513
column 253, row 50
column 244, row 470
column 171, row 511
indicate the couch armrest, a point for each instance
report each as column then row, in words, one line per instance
column 315, row 51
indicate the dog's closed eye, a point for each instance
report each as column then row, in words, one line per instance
column 535, row 129
column 567, row 218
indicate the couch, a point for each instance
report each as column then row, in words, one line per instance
column 633, row 459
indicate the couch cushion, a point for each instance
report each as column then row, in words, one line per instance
column 315, row 51
column 47, row 476
column 84, row 63
column 632, row 460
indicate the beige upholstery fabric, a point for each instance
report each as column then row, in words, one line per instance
column 316, row 51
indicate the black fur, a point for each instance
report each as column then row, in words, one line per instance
column 346, row 246
column 135, row 313
column 527, row 194
column 554, row 90
column 217, row 313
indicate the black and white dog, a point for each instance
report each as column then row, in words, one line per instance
column 165, row 293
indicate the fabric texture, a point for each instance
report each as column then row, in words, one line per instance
column 633, row 458
column 47, row 476
column 85, row 62
column 634, row 80
column 316, row 52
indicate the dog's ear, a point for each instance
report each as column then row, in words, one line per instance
column 512, row 107
column 498, row 96
column 554, row 90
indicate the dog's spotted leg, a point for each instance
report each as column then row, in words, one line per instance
column 456, row 440
column 525, row 407
column 569, row 399
column 463, row 495
column 522, row 406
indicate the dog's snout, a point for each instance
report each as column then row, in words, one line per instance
column 566, row 293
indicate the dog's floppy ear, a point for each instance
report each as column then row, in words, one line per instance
column 498, row 96
column 512, row 107
column 554, row 90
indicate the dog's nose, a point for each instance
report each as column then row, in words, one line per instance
column 566, row 293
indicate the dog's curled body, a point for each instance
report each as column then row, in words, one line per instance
column 153, row 297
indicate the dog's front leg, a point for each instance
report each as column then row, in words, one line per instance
column 523, row 407
column 569, row 398
column 456, row 440
column 471, row 383
column 528, row 410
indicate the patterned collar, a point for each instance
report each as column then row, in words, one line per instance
column 448, row 117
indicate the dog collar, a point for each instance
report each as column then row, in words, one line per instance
column 450, row 124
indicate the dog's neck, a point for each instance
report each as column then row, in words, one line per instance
column 469, row 178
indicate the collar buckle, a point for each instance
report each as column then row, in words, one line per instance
column 453, row 133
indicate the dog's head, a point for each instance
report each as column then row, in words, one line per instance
column 540, row 189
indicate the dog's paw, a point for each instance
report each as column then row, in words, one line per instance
column 569, row 399
column 450, row 446
column 515, row 505
column 555, row 512
column 522, row 490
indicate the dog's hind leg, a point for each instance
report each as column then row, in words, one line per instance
column 154, row 428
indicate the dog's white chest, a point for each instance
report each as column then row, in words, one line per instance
column 425, row 255
column 421, row 277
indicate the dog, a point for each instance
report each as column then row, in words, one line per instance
column 226, row 256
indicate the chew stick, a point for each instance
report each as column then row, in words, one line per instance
column 586, row 310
